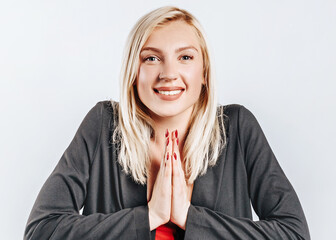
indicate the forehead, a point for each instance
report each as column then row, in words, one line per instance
column 172, row 34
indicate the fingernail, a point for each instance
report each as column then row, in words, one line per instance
column 176, row 133
column 167, row 155
column 167, row 142
column 175, row 156
column 177, row 141
column 167, row 133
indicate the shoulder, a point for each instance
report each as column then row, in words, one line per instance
column 100, row 116
column 238, row 117
column 105, row 106
column 235, row 112
column 230, row 110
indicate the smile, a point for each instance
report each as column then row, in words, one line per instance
column 169, row 95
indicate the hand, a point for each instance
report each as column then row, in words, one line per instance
column 180, row 201
column 159, row 206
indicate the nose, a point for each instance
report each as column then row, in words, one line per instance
column 168, row 72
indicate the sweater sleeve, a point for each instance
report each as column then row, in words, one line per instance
column 55, row 214
column 272, row 196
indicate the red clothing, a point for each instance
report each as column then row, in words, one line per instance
column 165, row 232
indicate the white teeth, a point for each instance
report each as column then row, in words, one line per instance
column 170, row 92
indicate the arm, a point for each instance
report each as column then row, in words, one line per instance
column 272, row 196
column 55, row 214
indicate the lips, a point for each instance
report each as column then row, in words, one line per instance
column 168, row 89
column 169, row 93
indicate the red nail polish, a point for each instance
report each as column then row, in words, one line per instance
column 176, row 133
column 167, row 155
column 167, row 133
column 177, row 141
column 167, row 142
column 175, row 156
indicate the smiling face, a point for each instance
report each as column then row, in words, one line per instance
column 170, row 74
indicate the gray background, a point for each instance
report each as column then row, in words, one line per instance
column 58, row 58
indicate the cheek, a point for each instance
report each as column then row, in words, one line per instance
column 142, row 75
column 146, row 75
column 146, row 78
column 194, row 75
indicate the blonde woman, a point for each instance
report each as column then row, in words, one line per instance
column 167, row 162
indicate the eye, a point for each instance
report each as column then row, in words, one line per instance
column 186, row 57
column 150, row 59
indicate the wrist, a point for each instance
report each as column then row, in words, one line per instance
column 181, row 223
column 154, row 220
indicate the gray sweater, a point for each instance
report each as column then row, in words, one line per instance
column 115, row 207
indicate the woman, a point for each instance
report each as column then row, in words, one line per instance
column 167, row 161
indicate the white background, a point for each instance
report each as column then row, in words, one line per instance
column 59, row 58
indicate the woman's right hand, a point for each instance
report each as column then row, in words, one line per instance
column 159, row 206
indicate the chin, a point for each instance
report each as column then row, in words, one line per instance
column 167, row 112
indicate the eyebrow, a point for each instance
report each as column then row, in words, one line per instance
column 176, row 51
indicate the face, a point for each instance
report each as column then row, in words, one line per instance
column 170, row 75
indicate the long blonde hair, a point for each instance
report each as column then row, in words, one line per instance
column 134, row 127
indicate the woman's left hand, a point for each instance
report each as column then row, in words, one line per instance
column 180, row 198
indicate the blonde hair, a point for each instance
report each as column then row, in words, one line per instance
column 134, row 127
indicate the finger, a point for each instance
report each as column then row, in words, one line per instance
column 177, row 151
column 167, row 139
column 179, row 190
column 163, row 161
column 175, row 171
column 178, row 183
column 168, row 164
column 164, row 157
column 163, row 179
column 180, row 175
column 173, row 139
